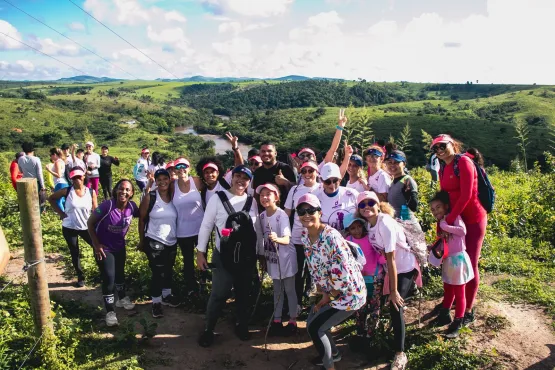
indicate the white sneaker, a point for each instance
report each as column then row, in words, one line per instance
column 111, row 319
column 399, row 362
column 125, row 303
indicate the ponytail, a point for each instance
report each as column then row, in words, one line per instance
column 386, row 208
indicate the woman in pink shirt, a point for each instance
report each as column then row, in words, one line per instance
column 461, row 182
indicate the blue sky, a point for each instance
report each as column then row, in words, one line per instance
column 493, row 41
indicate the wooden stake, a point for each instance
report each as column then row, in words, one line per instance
column 29, row 213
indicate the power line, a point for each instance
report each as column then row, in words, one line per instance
column 38, row 51
column 133, row 46
column 75, row 42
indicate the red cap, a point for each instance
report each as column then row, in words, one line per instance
column 181, row 161
column 145, row 150
column 169, row 165
column 256, row 158
column 210, row 165
column 443, row 138
column 76, row 172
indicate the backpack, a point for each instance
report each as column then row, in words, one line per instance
column 416, row 240
column 224, row 185
column 238, row 250
column 486, row 192
column 151, row 203
column 357, row 253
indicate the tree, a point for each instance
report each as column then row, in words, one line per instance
column 522, row 136
column 404, row 142
column 358, row 131
column 426, row 140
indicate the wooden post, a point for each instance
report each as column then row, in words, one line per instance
column 29, row 213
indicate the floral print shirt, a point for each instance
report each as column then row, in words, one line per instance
column 332, row 266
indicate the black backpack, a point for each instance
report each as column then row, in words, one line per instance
column 151, row 203
column 224, row 185
column 238, row 250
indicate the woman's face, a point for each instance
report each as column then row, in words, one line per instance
column 253, row 165
column 309, row 216
column 306, row 156
column 77, row 180
column 356, row 230
column 368, row 209
column 145, row 155
column 395, row 168
column 267, row 198
column 240, row 182
column 89, row 148
column 182, row 171
column 124, row 192
column 439, row 209
column 352, row 168
column 210, row 176
column 331, row 185
column 163, row 182
column 444, row 150
column 53, row 157
column 309, row 174
column 374, row 162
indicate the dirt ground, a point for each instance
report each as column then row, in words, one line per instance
column 519, row 335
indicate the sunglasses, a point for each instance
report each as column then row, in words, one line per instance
column 254, row 163
column 305, row 156
column 310, row 211
column 304, row 171
column 441, row 146
column 181, row 167
column 331, row 181
column 368, row 203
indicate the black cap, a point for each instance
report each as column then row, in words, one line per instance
column 64, row 147
column 160, row 172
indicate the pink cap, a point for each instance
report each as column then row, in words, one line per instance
column 211, row 165
column 311, row 165
column 181, row 161
column 170, row 164
column 309, row 199
column 268, row 186
column 145, row 150
column 76, row 172
column 89, row 143
column 307, row 150
column 443, row 138
column 256, row 158
column 367, row 195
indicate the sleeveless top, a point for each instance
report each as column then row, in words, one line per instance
column 189, row 210
column 162, row 222
column 78, row 210
column 60, row 180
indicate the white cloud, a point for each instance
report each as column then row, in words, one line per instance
column 235, row 46
column 50, row 47
column 230, row 27
column 383, row 29
column 133, row 55
column 131, row 12
column 251, row 8
column 257, row 26
column 175, row 16
column 174, row 37
column 76, row 26
column 20, row 66
column 324, row 20
column 6, row 43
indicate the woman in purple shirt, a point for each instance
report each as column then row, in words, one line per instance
column 108, row 226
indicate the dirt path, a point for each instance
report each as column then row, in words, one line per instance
column 519, row 335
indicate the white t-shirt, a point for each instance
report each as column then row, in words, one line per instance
column 292, row 202
column 140, row 169
column 219, row 187
column 379, row 182
column 334, row 209
column 356, row 186
column 388, row 236
column 162, row 224
column 77, row 163
column 93, row 160
column 189, row 209
column 278, row 223
column 78, row 210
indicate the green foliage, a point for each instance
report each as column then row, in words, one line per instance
column 405, row 139
column 522, row 135
column 358, row 131
column 426, row 140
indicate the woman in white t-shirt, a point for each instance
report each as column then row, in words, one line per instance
column 141, row 168
column 93, row 163
column 379, row 180
column 213, row 176
column 355, row 169
column 402, row 267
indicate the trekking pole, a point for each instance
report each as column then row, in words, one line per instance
column 277, row 303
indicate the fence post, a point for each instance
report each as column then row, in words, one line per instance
column 29, row 213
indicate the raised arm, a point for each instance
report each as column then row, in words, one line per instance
column 348, row 153
column 341, row 122
column 237, row 156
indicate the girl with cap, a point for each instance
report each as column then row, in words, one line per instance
column 212, row 171
column 462, row 185
column 373, row 274
column 105, row 171
column 141, row 168
column 457, row 268
column 15, row 173
column 58, row 170
column 281, row 258
column 402, row 266
column 92, row 160
column 170, row 167
column 403, row 191
column 355, row 171
column 309, row 173
column 379, row 181
column 108, row 226
column 80, row 202
column 157, row 238
column 335, row 272
column 188, row 203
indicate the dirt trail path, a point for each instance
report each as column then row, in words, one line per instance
column 523, row 341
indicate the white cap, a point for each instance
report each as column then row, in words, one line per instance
column 330, row 170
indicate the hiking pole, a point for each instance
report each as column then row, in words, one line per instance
column 277, row 303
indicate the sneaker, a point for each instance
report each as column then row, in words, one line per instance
column 80, row 284
column 242, row 332
column 399, row 361
column 157, row 310
column 171, row 300
column 468, row 318
column 206, row 338
column 444, row 317
column 290, row 329
column 126, row 303
column 454, row 329
column 276, row 329
column 111, row 319
column 317, row 361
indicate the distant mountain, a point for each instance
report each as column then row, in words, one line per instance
column 88, row 79
column 239, row 79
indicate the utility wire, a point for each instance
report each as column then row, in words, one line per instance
column 75, row 42
column 133, row 46
column 38, row 51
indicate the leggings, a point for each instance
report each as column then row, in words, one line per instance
column 404, row 283
column 62, row 201
column 106, row 183
column 455, row 292
column 289, row 288
column 187, row 246
column 93, row 184
column 161, row 264
column 112, row 271
column 475, row 234
column 72, row 238
column 319, row 325
column 302, row 282
column 367, row 316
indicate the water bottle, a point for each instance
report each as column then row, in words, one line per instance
column 405, row 214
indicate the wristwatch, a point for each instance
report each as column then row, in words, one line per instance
column 235, row 149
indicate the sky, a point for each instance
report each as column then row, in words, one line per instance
column 451, row 41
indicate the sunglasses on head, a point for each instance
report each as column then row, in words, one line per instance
column 331, row 181
column 311, row 211
column 368, row 203
column 254, row 163
column 181, row 167
column 440, row 146
column 304, row 171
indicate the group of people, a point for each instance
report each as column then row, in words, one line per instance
column 320, row 229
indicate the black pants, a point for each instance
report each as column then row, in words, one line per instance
column 72, row 238
column 112, row 272
column 302, row 283
column 187, row 246
column 161, row 264
column 106, row 183
column 404, row 283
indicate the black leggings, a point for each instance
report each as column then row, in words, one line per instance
column 72, row 238
column 302, row 283
column 187, row 246
column 112, row 271
column 404, row 283
column 106, row 183
column 161, row 264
